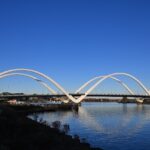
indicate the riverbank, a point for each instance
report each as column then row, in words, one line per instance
column 123, row 100
column 19, row 132
column 28, row 109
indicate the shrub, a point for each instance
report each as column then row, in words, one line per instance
column 66, row 128
column 56, row 125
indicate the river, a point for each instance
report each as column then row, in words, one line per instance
column 111, row 126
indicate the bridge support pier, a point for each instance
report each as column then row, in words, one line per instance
column 139, row 100
column 124, row 100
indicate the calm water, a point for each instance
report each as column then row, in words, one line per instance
column 111, row 126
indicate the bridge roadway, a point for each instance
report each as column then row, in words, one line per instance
column 75, row 95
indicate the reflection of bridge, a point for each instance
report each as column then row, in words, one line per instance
column 75, row 97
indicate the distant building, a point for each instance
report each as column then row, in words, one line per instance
column 15, row 102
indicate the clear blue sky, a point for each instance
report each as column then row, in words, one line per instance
column 74, row 40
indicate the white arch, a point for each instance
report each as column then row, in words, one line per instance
column 44, row 76
column 111, row 75
column 70, row 97
column 99, row 77
column 29, row 76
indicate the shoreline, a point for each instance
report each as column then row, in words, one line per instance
column 20, row 132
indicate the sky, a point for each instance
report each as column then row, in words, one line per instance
column 73, row 41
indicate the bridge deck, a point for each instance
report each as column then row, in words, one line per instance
column 75, row 95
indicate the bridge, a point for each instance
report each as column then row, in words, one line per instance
column 72, row 94
column 77, row 96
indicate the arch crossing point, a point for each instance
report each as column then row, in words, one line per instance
column 99, row 77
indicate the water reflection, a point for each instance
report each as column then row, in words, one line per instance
column 112, row 120
column 108, row 125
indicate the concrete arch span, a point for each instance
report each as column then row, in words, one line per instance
column 112, row 75
column 32, row 77
column 99, row 77
column 70, row 97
